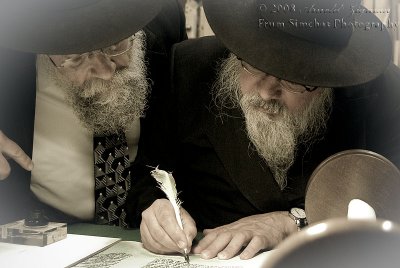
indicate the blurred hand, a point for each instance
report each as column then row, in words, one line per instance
column 9, row 149
column 160, row 231
column 254, row 233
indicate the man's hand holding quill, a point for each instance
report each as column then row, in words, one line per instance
column 166, row 227
column 160, row 231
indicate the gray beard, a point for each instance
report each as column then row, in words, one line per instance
column 275, row 139
column 108, row 106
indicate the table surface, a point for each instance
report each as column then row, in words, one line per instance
column 104, row 230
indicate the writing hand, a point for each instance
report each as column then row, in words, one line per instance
column 160, row 232
column 254, row 233
column 9, row 149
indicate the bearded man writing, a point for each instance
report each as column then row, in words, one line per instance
column 256, row 110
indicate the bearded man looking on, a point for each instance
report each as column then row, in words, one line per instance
column 257, row 109
column 99, row 67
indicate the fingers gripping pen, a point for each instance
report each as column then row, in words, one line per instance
column 166, row 183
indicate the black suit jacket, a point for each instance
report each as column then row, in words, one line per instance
column 220, row 176
column 17, row 104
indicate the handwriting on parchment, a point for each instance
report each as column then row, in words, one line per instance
column 168, row 263
column 106, row 260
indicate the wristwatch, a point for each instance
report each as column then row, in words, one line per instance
column 299, row 217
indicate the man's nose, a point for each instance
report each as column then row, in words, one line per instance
column 269, row 88
column 96, row 66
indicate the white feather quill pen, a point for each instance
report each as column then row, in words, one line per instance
column 166, row 183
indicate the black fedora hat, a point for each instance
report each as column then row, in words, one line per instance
column 71, row 26
column 317, row 43
column 339, row 242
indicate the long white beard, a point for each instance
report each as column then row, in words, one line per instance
column 275, row 139
column 108, row 106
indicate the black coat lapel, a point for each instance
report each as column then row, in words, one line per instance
column 246, row 169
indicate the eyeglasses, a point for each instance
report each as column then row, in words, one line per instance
column 289, row 86
column 74, row 60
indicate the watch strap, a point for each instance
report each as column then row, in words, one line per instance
column 300, row 222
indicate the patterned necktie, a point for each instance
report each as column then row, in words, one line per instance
column 112, row 177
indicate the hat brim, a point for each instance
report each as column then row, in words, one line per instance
column 236, row 25
column 68, row 30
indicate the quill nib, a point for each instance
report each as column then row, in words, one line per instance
column 186, row 255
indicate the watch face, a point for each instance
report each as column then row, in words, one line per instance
column 298, row 213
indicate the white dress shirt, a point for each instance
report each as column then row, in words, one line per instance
column 63, row 152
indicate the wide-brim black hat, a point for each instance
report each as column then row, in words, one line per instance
column 71, row 26
column 317, row 43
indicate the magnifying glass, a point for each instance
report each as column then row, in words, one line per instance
column 353, row 174
column 332, row 240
